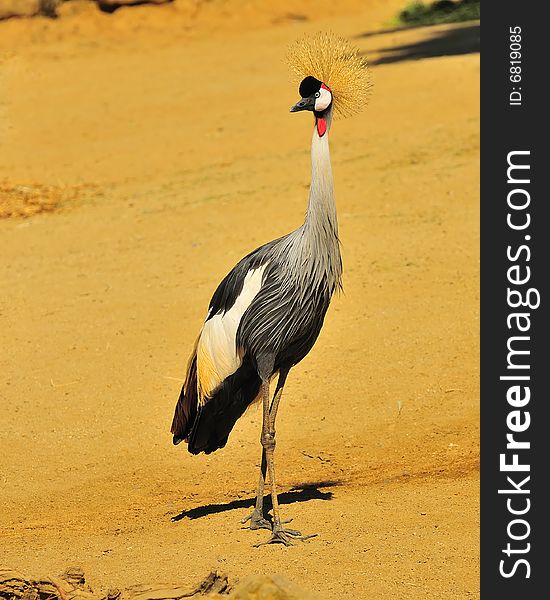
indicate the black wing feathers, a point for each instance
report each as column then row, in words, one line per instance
column 207, row 428
column 232, row 285
column 219, row 414
column 186, row 407
column 280, row 326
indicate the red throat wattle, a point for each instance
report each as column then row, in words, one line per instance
column 321, row 126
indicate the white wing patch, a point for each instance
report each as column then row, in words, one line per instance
column 217, row 354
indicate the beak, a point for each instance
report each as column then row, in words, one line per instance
column 304, row 104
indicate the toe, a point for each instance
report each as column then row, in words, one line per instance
column 285, row 536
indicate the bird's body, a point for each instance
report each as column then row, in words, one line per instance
column 265, row 316
column 267, row 313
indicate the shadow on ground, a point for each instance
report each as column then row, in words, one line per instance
column 463, row 39
column 299, row 493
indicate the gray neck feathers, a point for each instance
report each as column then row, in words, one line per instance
column 310, row 255
column 320, row 229
column 321, row 212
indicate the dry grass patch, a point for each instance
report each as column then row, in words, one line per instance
column 26, row 200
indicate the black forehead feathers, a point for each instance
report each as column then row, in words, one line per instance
column 309, row 86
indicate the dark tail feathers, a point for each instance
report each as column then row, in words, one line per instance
column 216, row 418
column 186, row 407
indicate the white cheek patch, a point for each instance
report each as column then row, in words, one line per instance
column 325, row 98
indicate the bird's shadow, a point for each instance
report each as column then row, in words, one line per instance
column 299, row 493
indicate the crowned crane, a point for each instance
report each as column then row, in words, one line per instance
column 266, row 315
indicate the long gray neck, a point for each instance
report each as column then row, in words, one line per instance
column 319, row 240
column 321, row 211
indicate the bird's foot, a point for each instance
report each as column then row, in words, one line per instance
column 282, row 535
column 257, row 520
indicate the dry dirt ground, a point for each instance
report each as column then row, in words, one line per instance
column 185, row 157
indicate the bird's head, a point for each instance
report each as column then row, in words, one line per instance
column 334, row 77
column 317, row 97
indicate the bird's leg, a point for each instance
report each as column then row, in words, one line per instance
column 276, row 398
column 280, row 534
column 256, row 517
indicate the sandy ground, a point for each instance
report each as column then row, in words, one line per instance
column 187, row 156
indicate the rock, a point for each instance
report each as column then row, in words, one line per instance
column 19, row 8
column 69, row 586
column 214, row 583
column 72, row 585
column 268, row 587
